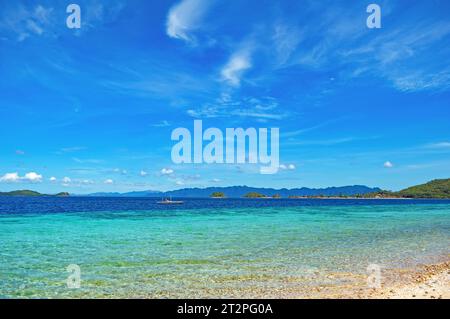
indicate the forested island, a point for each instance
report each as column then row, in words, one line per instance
column 29, row 193
column 436, row 189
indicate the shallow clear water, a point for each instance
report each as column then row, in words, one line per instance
column 144, row 250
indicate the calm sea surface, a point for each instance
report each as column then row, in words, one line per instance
column 133, row 247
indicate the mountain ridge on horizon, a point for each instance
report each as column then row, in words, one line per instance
column 240, row 191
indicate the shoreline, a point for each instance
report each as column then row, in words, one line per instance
column 424, row 281
column 428, row 282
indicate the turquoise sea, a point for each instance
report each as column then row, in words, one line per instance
column 134, row 248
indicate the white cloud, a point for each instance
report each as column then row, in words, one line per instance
column 66, row 180
column 120, row 171
column 14, row 177
column 184, row 18
column 388, row 164
column 10, row 178
column 167, row 171
column 143, row 173
column 286, row 167
column 33, row 177
column 236, row 66
column 109, row 181
column 216, row 180
column 52, row 179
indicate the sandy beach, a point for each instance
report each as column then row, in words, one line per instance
column 421, row 282
column 429, row 282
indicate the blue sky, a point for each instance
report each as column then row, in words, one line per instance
column 93, row 109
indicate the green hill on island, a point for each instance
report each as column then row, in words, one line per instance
column 21, row 193
column 254, row 195
column 29, row 193
column 439, row 188
column 218, row 195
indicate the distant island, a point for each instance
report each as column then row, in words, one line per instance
column 29, row 193
column 436, row 189
column 254, row 195
column 218, row 195
column 241, row 191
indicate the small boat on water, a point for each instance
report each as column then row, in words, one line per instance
column 167, row 201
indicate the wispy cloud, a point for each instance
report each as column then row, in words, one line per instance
column 228, row 106
column 439, row 145
column 310, row 128
column 72, row 149
column 184, row 18
column 89, row 161
column 236, row 66
column 401, row 55
column 328, row 142
column 286, row 38
column 97, row 13
column 163, row 123
column 24, row 22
